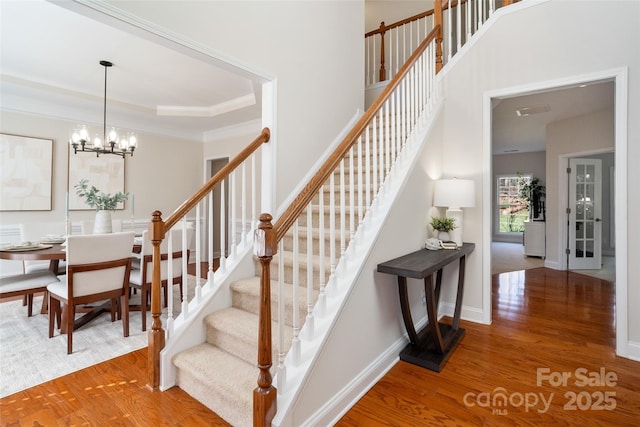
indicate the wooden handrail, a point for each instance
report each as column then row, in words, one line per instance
column 157, row 231
column 190, row 203
column 384, row 28
column 298, row 205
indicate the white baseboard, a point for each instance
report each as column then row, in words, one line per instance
column 470, row 314
column 552, row 264
column 632, row 351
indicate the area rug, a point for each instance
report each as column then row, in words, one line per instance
column 29, row 357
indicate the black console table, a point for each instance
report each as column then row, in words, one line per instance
column 433, row 345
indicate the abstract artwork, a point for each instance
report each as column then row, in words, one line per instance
column 26, row 164
column 106, row 173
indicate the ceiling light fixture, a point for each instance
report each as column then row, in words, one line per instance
column 110, row 143
column 528, row 111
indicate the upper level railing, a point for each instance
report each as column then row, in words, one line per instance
column 388, row 47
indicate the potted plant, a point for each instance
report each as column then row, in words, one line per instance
column 443, row 226
column 533, row 192
column 104, row 203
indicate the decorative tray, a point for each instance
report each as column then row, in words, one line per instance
column 25, row 246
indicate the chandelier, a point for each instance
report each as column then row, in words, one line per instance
column 110, row 143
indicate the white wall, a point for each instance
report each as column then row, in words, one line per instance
column 313, row 49
column 565, row 46
column 584, row 134
column 160, row 174
column 377, row 11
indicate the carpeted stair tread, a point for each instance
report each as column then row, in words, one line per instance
column 246, row 296
column 236, row 331
column 228, row 391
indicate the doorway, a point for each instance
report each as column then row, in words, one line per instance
column 555, row 216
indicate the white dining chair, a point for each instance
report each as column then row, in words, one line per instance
column 98, row 269
column 142, row 267
column 27, row 285
column 39, row 231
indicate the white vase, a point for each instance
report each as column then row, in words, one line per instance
column 102, row 224
column 443, row 235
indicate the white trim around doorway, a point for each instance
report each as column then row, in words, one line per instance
column 624, row 347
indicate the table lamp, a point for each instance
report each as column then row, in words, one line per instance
column 455, row 194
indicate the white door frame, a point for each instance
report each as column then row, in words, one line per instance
column 620, row 76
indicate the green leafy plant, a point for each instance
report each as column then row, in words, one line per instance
column 97, row 199
column 443, row 223
column 533, row 192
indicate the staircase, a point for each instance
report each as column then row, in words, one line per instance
column 232, row 333
column 307, row 261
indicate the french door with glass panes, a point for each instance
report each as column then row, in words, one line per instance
column 585, row 206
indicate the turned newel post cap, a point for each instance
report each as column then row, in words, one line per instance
column 156, row 227
column 264, row 241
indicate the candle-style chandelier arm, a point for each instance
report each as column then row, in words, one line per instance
column 110, row 143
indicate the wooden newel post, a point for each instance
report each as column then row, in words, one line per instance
column 437, row 22
column 264, row 396
column 383, row 71
column 156, row 334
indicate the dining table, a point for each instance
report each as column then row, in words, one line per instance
column 53, row 252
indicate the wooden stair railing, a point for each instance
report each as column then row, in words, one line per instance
column 420, row 66
column 469, row 14
column 157, row 230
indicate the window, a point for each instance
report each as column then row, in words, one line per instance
column 513, row 210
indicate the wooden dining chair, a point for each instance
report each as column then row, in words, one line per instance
column 142, row 267
column 98, row 269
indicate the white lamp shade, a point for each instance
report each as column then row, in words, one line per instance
column 454, row 193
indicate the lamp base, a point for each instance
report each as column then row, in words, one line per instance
column 456, row 234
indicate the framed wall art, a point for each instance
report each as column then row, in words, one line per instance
column 26, row 165
column 106, row 173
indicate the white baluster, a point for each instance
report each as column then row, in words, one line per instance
column 295, row 343
column 393, row 98
column 223, row 227
column 374, row 156
column 243, row 204
column 210, row 272
column 352, row 208
column 185, row 280
column 321, row 252
column 367, row 171
column 198, row 254
column 254, row 204
column 309, row 322
column 469, row 20
column 387, row 138
column 449, row 33
column 343, row 208
column 233, row 220
column 282, row 369
column 332, row 227
column 381, row 147
column 361, row 186
column 169, row 301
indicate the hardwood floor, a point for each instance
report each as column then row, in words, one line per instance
column 543, row 319
column 557, row 322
